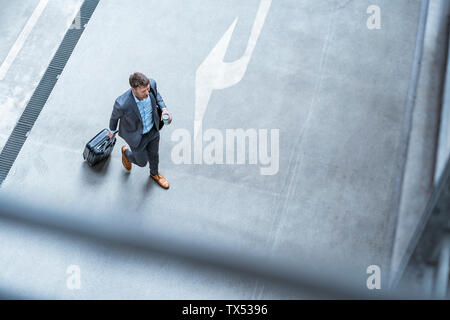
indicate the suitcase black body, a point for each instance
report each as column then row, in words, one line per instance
column 99, row 148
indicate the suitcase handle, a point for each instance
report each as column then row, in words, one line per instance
column 104, row 144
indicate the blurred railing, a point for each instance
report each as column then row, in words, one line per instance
column 428, row 253
column 293, row 276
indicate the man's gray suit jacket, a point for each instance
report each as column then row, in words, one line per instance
column 126, row 110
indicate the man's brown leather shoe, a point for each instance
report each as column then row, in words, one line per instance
column 125, row 162
column 161, row 180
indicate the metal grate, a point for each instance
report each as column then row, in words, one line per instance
column 20, row 133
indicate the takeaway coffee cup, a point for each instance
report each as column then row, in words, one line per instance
column 165, row 118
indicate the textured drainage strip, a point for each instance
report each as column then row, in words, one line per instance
column 39, row 98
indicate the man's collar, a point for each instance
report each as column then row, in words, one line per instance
column 135, row 99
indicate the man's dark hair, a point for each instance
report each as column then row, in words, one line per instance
column 138, row 79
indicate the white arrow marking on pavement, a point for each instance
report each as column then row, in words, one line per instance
column 22, row 38
column 215, row 74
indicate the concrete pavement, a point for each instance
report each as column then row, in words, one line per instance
column 34, row 55
column 335, row 90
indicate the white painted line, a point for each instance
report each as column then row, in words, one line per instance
column 215, row 74
column 22, row 38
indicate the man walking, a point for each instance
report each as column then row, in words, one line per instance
column 139, row 124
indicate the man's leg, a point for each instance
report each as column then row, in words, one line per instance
column 153, row 159
column 137, row 157
column 153, row 154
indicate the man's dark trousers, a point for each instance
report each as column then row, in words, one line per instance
column 146, row 151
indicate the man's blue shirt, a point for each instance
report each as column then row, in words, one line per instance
column 145, row 109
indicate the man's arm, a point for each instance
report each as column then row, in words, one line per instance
column 159, row 99
column 116, row 114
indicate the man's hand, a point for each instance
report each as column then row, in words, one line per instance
column 111, row 135
column 165, row 111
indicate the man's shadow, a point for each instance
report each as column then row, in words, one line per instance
column 95, row 174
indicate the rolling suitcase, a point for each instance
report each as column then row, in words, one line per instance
column 99, row 148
